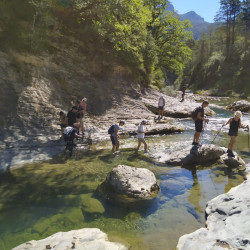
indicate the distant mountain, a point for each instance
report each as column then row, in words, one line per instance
column 198, row 22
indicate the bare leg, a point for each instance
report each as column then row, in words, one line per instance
column 145, row 145
column 139, row 144
column 232, row 142
column 196, row 136
column 113, row 148
column 117, row 145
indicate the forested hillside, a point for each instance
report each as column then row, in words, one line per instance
column 221, row 58
column 76, row 47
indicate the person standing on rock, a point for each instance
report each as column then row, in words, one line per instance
column 141, row 135
column 63, row 121
column 183, row 89
column 79, row 115
column 72, row 118
column 161, row 105
column 84, row 109
column 198, row 117
column 234, row 125
column 114, row 137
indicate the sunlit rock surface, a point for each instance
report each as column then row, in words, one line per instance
column 83, row 239
column 228, row 222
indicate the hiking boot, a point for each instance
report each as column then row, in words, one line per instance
column 230, row 153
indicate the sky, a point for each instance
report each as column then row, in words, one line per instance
column 205, row 8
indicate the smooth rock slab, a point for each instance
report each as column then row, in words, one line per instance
column 133, row 182
column 228, row 222
column 243, row 106
column 83, row 239
column 192, row 155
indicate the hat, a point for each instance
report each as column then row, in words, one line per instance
column 122, row 121
column 84, row 99
column 238, row 114
column 144, row 120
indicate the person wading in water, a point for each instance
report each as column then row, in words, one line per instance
column 234, row 125
column 198, row 117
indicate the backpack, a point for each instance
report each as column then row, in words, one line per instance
column 194, row 114
column 111, row 130
column 67, row 132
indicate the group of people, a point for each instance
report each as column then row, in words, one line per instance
column 200, row 121
column 72, row 124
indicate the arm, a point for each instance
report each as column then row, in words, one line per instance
column 225, row 124
column 242, row 126
column 201, row 118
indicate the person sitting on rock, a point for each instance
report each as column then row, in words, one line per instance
column 234, row 125
column 72, row 118
column 161, row 105
column 114, row 137
column 63, row 121
column 199, row 118
column 141, row 135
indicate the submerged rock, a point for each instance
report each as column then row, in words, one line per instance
column 84, row 239
column 232, row 162
column 92, row 206
column 192, row 155
column 228, row 223
column 137, row 183
column 243, row 106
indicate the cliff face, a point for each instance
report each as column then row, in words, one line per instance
column 35, row 88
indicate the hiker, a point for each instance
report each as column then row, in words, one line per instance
column 72, row 118
column 198, row 117
column 63, row 121
column 141, row 135
column 183, row 89
column 234, row 125
column 84, row 108
column 161, row 105
column 69, row 134
column 79, row 115
column 113, row 131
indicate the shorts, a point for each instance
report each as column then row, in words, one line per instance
column 63, row 125
column 160, row 108
column 114, row 140
column 231, row 133
column 198, row 125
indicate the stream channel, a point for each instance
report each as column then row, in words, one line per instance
column 40, row 199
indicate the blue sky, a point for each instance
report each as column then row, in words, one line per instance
column 205, row 8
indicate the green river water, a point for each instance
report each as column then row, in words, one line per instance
column 41, row 199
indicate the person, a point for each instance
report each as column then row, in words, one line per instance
column 161, row 105
column 234, row 125
column 84, row 109
column 63, row 121
column 141, row 135
column 69, row 134
column 183, row 89
column 114, row 137
column 199, row 118
column 79, row 115
column 71, row 116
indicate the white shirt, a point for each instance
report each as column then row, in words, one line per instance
column 161, row 102
column 140, row 132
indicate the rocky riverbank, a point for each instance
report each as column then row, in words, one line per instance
column 22, row 145
column 227, row 225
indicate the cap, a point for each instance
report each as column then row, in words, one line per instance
column 238, row 114
column 122, row 121
column 144, row 120
column 84, row 99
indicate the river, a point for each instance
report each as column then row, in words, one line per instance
column 40, row 199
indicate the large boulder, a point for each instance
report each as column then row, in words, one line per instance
column 176, row 109
column 193, row 155
column 83, row 239
column 243, row 106
column 131, row 182
column 228, row 222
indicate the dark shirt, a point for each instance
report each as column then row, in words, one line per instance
column 79, row 112
column 200, row 110
column 234, row 125
column 71, row 118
